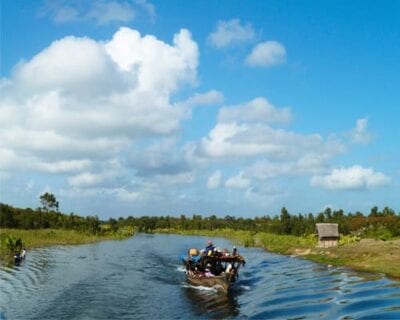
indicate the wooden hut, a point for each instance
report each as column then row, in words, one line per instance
column 328, row 234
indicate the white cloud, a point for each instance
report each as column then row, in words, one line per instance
column 308, row 164
column 211, row 97
column 101, row 12
column 238, row 182
column 264, row 169
column 360, row 135
column 105, row 12
column 214, row 181
column 63, row 68
column 149, row 8
column 64, row 166
column 158, row 160
column 232, row 140
column 257, row 110
column 267, row 54
column 106, row 175
column 231, row 32
column 159, row 66
column 80, row 107
column 264, row 195
column 352, row 178
column 245, row 130
column 125, row 195
column 86, row 180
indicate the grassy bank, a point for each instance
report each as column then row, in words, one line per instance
column 365, row 255
column 49, row 237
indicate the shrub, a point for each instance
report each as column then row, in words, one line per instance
column 14, row 244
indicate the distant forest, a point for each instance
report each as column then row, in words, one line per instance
column 382, row 224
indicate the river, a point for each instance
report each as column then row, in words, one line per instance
column 141, row 278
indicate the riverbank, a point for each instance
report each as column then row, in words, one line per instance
column 366, row 255
column 35, row 238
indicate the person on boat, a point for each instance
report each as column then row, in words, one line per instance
column 209, row 249
column 23, row 253
column 234, row 253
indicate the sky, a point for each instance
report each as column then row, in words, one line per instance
column 226, row 107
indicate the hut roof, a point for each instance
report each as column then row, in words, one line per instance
column 327, row 230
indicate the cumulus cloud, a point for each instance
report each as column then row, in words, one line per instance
column 126, row 195
column 159, row 66
column 231, row 32
column 352, row 178
column 157, row 159
column 214, row 181
column 238, row 182
column 244, row 132
column 360, row 135
column 63, row 166
column 267, row 54
column 264, row 194
column 211, row 97
column 105, row 174
column 257, row 110
column 232, row 140
column 80, row 103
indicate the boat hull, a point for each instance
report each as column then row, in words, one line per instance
column 220, row 283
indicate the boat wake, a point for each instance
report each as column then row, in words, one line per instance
column 200, row 288
column 246, row 288
column 181, row 268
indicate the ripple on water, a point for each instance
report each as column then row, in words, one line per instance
column 141, row 278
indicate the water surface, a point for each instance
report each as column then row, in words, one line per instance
column 141, row 278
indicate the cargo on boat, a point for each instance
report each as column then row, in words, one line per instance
column 213, row 267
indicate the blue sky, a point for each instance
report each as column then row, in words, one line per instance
column 203, row 107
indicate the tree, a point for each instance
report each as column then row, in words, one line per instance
column 374, row 212
column 113, row 224
column 6, row 217
column 328, row 214
column 286, row 227
column 49, row 202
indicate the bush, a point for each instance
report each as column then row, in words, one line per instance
column 346, row 239
column 14, row 244
column 379, row 233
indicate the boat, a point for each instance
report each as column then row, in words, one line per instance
column 19, row 256
column 218, row 269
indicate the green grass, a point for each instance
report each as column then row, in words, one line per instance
column 49, row 237
column 272, row 242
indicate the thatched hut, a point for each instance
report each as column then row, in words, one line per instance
column 328, row 234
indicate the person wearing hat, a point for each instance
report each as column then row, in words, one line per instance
column 210, row 248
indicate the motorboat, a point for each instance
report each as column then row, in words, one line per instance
column 218, row 269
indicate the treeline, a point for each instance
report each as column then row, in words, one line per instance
column 383, row 224
column 48, row 216
column 40, row 218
